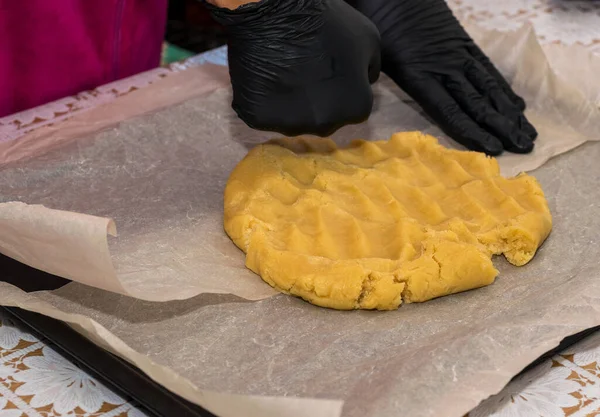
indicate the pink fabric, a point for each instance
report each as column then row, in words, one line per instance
column 50, row 49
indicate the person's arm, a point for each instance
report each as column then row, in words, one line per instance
column 230, row 4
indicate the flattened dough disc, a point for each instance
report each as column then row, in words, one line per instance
column 379, row 223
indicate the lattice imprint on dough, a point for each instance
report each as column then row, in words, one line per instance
column 379, row 223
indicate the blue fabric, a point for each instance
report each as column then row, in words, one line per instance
column 217, row 56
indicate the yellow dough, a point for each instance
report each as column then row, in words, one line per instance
column 379, row 223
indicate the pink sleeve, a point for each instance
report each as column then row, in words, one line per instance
column 54, row 48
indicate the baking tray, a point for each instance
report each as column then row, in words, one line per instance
column 118, row 375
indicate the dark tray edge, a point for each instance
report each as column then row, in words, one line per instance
column 118, row 375
column 130, row 382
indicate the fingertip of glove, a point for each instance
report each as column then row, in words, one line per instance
column 518, row 142
column 520, row 103
column 532, row 134
column 488, row 144
column 529, row 130
column 492, row 150
column 525, row 147
column 374, row 75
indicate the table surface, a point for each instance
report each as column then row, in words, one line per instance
column 36, row 382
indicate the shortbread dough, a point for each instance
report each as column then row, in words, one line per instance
column 379, row 223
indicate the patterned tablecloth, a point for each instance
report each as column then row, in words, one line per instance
column 37, row 382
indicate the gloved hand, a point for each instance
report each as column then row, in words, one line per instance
column 300, row 66
column 431, row 57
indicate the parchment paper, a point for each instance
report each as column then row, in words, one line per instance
column 438, row 358
column 575, row 64
column 161, row 176
column 162, row 182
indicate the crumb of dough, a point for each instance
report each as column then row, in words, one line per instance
column 379, row 223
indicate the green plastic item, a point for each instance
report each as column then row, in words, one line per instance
column 172, row 53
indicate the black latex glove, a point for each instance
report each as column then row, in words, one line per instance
column 431, row 57
column 301, row 66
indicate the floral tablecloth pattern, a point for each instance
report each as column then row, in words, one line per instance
column 37, row 382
